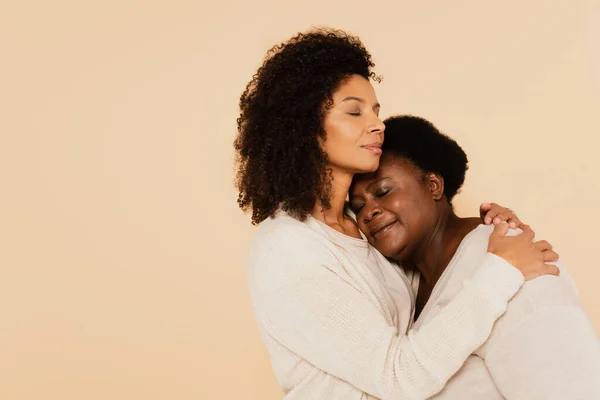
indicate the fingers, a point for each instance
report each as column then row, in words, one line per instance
column 550, row 256
column 489, row 211
column 484, row 208
column 527, row 232
column 543, row 245
column 500, row 230
column 552, row 269
column 495, row 213
column 508, row 216
column 540, row 270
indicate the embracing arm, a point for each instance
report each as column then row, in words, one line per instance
column 309, row 308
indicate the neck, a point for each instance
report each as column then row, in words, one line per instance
column 432, row 257
column 340, row 185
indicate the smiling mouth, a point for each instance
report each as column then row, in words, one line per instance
column 382, row 230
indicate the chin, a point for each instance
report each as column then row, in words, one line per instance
column 399, row 255
column 397, row 251
column 391, row 252
column 366, row 167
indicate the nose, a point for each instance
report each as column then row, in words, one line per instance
column 377, row 127
column 371, row 211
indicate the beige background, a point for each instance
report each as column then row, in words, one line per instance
column 121, row 246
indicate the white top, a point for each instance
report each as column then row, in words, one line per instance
column 542, row 348
column 336, row 330
column 398, row 284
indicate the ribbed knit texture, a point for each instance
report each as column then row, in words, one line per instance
column 329, row 334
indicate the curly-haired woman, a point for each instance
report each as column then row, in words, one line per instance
column 337, row 321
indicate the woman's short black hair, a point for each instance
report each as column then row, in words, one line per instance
column 280, row 163
column 419, row 141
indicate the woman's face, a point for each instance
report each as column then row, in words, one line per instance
column 354, row 132
column 395, row 206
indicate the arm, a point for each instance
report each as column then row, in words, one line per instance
column 544, row 347
column 308, row 307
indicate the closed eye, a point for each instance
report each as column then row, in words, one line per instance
column 382, row 193
column 356, row 208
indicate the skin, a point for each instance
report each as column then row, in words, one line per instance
column 353, row 145
column 354, row 134
column 354, row 137
column 405, row 215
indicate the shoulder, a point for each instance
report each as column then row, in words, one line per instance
column 289, row 260
column 548, row 289
column 470, row 253
column 283, row 233
column 285, row 245
column 281, row 223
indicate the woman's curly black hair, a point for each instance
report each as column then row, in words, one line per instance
column 419, row 141
column 279, row 159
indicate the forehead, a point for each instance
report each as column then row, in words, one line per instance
column 396, row 164
column 355, row 86
column 390, row 166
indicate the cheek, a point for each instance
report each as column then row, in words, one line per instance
column 411, row 218
column 394, row 243
column 400, row 204
column 415, row 220
column 361, row 225
column 339, row 136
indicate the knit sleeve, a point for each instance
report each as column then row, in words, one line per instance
column 303, row 304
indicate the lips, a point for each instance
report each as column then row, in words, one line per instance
column 374, row 147
column 382, row 228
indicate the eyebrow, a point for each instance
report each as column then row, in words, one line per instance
column 376, row 181
column 360, row 100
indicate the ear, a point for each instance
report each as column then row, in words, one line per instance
column 436, row 185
